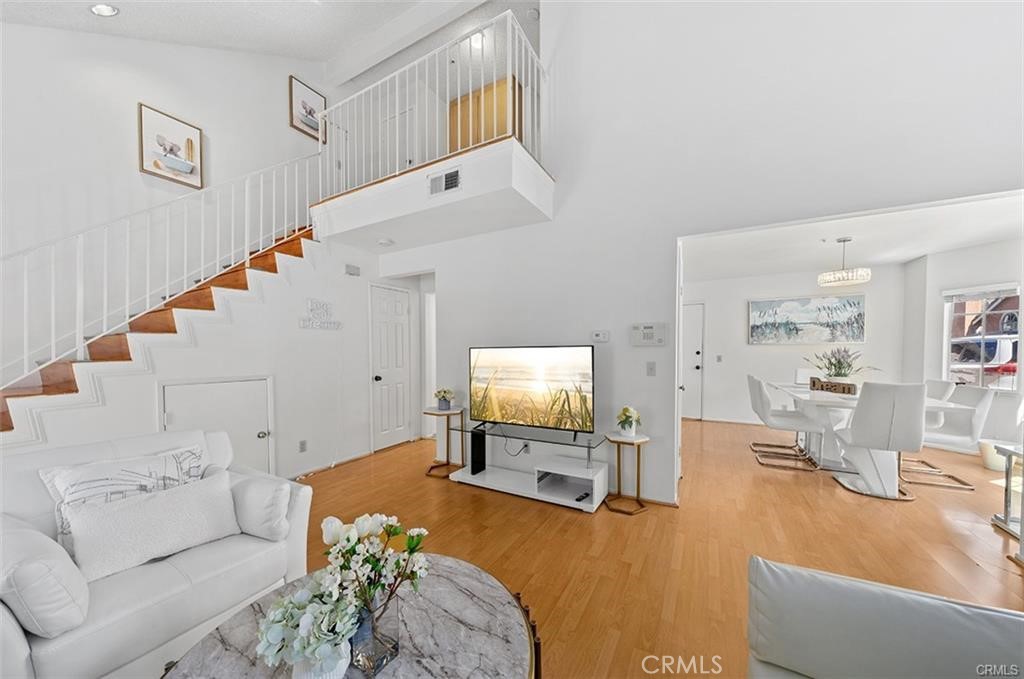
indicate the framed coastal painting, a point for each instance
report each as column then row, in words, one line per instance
column 832, row 319
column 170, row 148
column 304, row 103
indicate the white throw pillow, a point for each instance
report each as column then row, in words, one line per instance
column 115, row 480
column 261, row 505
column 115, row 536
column 39, row 582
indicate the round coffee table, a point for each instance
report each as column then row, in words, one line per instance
column 462, row 623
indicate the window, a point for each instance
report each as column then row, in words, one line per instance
column 981, row 337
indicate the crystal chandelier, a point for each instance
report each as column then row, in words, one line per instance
column 844, row 276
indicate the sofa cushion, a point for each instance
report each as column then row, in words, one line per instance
column 38, row 581
column 261, row 505
column 133, row 612
column 112, row 480
column 114, row 536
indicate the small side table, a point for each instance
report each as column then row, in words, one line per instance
column 448, row 415
column 636, row 442
column 1009, row 520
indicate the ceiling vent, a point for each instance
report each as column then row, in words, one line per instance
column 446, row 181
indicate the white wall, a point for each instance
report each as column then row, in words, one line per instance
column 70, row 134
column 726, row 327
column 674, row 119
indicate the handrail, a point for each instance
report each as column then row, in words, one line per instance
column 71, row 290
column 448, row 45
column 158, row 206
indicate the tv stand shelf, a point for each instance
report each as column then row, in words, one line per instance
column 574, row 482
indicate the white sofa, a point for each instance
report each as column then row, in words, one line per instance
column 140, row 619
column 806, row 623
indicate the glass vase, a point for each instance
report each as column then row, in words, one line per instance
column 375, row 643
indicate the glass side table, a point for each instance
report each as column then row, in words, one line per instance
column 1010, row 519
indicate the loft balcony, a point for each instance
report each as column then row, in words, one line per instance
column 446, row 147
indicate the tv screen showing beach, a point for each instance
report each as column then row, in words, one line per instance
column 550, row 387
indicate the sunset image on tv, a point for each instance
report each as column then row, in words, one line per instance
column 549, row 387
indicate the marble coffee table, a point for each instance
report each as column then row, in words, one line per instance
column 463, row 623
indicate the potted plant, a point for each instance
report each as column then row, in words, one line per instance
column 838, row 364
column 444, row 398
column 628, row 419
column 348, row 612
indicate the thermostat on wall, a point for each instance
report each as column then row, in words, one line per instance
column 647, row 335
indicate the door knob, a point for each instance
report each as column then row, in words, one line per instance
column 262, row 434
column 698, row 352
column 682, row 387
column 377, row 378
column 696, row 367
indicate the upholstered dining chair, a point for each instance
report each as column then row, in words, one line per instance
column 940, row 390
column 773, row 454
column 959, row 430
column 888, row 421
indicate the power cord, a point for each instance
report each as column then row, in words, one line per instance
column 525, row 447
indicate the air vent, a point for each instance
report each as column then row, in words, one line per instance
column 448, row 181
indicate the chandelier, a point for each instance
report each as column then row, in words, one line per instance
column 844, row 276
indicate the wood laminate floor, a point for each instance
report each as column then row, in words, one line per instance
column 609, row 589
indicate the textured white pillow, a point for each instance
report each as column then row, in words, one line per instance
column 39, row 582
column 115, row 536
column 261, row 505
column 115, row 480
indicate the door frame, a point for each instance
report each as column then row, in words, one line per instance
column 703, row 354
column 161, row 406
column 369, row 342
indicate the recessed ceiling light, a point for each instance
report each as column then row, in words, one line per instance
column 104, row 10
column 385, row 242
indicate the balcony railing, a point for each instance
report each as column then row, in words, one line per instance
column 485, row 86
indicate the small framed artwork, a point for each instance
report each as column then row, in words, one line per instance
column 304, row 103
column 170, row 148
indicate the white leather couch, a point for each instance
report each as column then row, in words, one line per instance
column 140, row 619
column 806, row 623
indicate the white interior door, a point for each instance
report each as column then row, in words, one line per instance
column 241, row 408
column 691, row 361
column 392, row 375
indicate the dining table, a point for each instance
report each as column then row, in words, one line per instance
column 858, row 469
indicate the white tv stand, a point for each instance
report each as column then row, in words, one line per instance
column 559, row 479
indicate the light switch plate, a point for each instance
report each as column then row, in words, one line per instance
column 652, row 369
column 599, row 336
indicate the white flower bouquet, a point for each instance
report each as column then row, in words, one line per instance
column 346, row 600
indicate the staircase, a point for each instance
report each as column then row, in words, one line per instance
column 59, row 377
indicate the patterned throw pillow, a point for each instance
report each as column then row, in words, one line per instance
column 113, row 480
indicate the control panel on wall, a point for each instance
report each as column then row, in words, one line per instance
column 647, row 334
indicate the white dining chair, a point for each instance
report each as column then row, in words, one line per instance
column 959, row 430
column 940, row 390
column 1002, row 427
column 888, row 421
column 772, row 454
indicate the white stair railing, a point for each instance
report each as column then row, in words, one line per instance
column 58, row 296
column 484, row 86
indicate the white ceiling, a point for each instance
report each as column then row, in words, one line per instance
column 879, row 237
column 305, row 29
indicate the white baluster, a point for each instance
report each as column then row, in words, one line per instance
column 106, row 275
column 53, row 302
column 260, row 246
column 26, row 358
column 167, row 255
column 80, row 297
column 149, row 258
column 246, row 225
column 127, row 270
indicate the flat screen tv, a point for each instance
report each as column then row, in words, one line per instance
column 548, row 387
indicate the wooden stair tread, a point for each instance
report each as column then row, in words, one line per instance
column 158, row 320
column 109, row 348
column 234, row 278
column 197, row 298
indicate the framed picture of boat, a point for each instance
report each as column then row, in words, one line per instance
column 829, row 319
column 304, row 103
column 170, row 148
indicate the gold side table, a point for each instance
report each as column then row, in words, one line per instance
column 448, row 415
column 637, row 443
